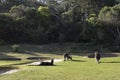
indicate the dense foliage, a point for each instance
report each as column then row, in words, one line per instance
column 46, row 21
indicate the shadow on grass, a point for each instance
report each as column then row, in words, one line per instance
column 78, row 61
column 44, row 65
column 112, row 62
column 37, row 58
column 19, row 63
column 104, row 55
column 5, row 56
column 28, row 52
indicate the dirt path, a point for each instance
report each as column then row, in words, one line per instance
column 9, row 71
column 33, row 63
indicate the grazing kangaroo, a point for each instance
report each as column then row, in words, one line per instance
column 67, row 57
column 97, row 57
column 47, row 63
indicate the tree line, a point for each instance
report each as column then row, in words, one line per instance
column 49, row 21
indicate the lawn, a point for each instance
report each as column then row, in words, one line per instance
column 81, row 68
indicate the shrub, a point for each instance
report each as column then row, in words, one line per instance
column 15, row 47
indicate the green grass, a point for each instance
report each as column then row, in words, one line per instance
column 80, row 69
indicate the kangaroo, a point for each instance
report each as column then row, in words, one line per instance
column 97, row 57
column 48, row 63
column 67, row 57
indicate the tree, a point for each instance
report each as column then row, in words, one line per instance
column 43, row 15
column 110, row 19
column 17, row 11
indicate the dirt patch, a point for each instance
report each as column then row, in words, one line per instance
column 103, row 55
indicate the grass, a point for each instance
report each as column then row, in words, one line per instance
column 80, row 68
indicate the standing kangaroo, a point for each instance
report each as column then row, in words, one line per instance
column 97, row 56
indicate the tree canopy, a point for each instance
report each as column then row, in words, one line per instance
column 46, row 21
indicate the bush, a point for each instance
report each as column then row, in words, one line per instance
column 15, row 47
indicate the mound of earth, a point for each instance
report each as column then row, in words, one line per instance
column 104, row 55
